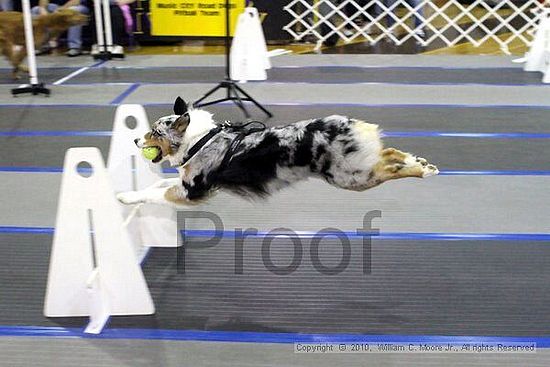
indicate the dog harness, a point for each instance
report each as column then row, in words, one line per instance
column 242, row 130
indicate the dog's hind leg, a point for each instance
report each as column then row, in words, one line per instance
column 396, row 164
column 393, row 164
column 17, row 59
column 9, row 52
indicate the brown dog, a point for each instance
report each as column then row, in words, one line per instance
column 45, row 27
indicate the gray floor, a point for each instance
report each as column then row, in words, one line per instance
column 463, row 204
column 463, row 154
column 409, row 287
column 47, row 75
column 484, row 95
column 390, row 117
column 300, row 93
column 497, row 288
column 92, row 353
column 448, row 61
column 318, row 74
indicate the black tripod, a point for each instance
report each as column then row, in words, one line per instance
column 234, row 92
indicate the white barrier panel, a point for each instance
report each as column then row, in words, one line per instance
column 93, row 270
column 249, row 56
column 153, row 225
column 425, row 21
column 538, row 57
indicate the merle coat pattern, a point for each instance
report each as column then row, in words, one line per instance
column 343, row 151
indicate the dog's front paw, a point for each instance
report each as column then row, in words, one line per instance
column 423, row 162
column 429, row 170
column 130, row 197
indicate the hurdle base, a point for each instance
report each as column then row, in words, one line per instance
column 99, row 307
column 107, row 53
column 106, row 56
column 34, row 89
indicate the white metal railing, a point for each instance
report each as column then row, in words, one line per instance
column 447, row 22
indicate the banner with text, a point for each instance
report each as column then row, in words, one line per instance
column 202, row 18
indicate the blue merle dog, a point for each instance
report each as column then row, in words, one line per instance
column 255, row 162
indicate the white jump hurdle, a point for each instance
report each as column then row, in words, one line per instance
column 93, row 269
column 153, row 225
column 94, row 265
column 249, row 55
column 538, row 57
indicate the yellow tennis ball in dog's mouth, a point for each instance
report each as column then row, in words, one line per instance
column 150, row 153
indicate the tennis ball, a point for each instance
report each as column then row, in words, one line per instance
column 150, row 153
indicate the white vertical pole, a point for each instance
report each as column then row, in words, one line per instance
column 29, row 42
column 108, row 30
column 99, row 26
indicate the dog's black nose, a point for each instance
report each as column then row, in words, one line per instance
column 136, row 141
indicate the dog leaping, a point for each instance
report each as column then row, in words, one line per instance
column 254, row 162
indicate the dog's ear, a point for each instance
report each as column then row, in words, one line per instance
column 180, row 107
column 180, row 125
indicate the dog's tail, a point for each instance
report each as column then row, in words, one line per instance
column 367, row 130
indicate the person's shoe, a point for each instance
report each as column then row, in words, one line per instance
column 73, row 52
column 420, row 33
column 44, row 50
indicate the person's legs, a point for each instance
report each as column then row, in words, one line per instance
column 52, row 43
column 6, row 5
column 117, row 25
column 74, row 34
column 35, row 11
column 52, row 7
column 324, row 10
column 390, row 20
column 418, row 14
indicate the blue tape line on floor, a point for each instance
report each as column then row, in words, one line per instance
column 33, row 169
column 14, row 229
column 493, row 173
column 325, row 66
column 262, row 337
column 442, row 134
column 286, row 104
column 389, row 134
column 58, row 133
column 317, row 82
column 125, row 94
column 352, row 235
